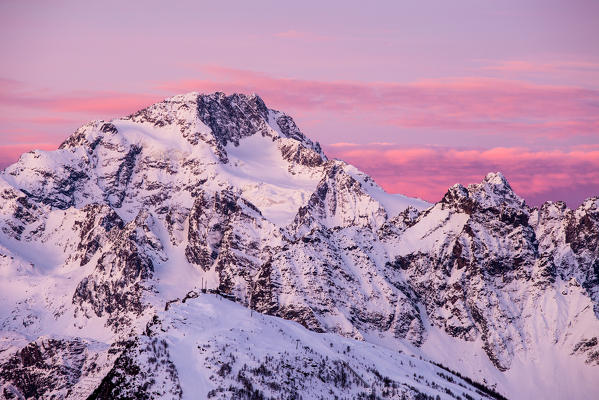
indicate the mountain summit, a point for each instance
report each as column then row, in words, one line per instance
column 205, row 247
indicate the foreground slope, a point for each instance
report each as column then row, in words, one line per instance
column 192, row 351
column 112, row 231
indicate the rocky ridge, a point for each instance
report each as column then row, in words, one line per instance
column 221, row 193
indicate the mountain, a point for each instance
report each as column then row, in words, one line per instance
column 205, row 247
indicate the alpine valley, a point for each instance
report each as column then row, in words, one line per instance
column 204, row 247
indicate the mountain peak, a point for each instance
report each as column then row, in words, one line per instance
column 215, row 119
column 496, row 178
column 494, row 191
column 222, row 118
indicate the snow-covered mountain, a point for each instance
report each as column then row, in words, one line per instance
column 113, row 247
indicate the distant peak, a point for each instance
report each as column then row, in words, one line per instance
column 592, row 203
column 493, row 191
column 497, row 179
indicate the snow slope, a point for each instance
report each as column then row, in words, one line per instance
column 279, row 357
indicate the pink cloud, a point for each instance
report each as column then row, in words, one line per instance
column 51, row 120
column 535, row 66
column 301, row 35
column 482, row 105
column 427, row 172
column 113, row 103
column 344, row 144
column 10, row 153
column 516, row 66
column 14, row 94
column 349, row 144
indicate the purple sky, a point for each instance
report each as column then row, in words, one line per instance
column 418, row 94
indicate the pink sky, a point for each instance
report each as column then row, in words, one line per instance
column 420, row 95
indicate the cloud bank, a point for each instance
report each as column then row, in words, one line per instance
column 488, row 107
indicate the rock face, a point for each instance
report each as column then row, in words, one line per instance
column 40, row 367
column 100, row 238
column 470, row 278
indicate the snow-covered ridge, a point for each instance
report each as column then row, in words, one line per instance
column 113, row 236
